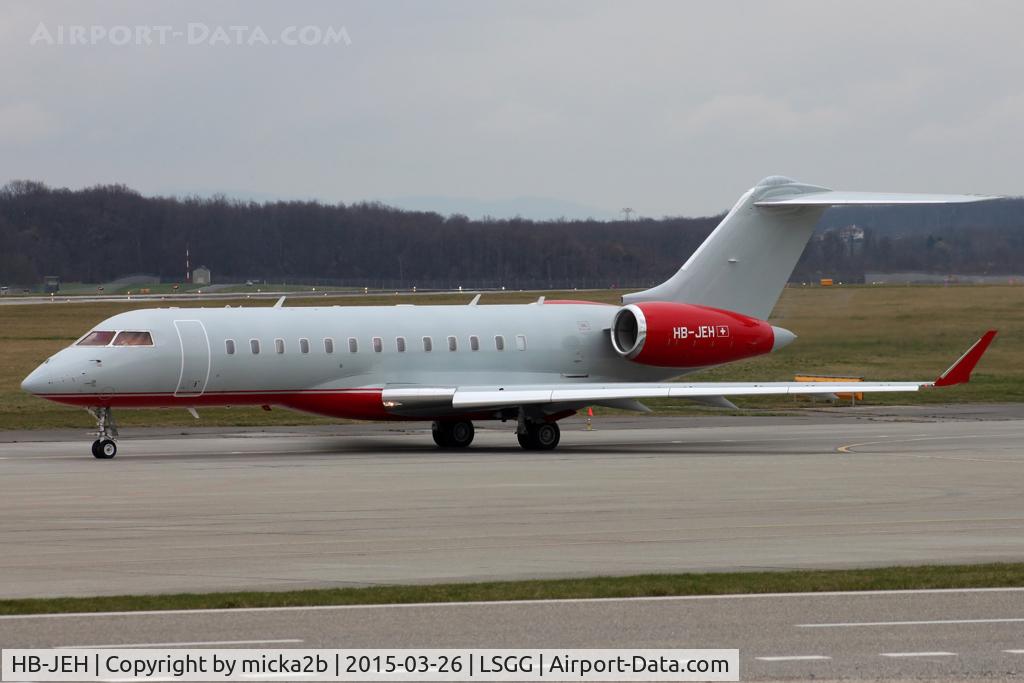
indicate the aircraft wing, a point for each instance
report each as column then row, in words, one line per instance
column 471, row 398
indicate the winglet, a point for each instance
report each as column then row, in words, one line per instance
column 960, row 371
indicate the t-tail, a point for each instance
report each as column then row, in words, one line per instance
column 745, row 262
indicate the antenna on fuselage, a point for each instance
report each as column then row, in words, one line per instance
column 475, row 301
column 280, row 302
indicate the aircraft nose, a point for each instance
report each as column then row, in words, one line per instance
column 36, row 382
column 783, row 337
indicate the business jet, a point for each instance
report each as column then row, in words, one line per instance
column 530, row 364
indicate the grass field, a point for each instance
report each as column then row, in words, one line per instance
column 652, row 585
column 893, row 333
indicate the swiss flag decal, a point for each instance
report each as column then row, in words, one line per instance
column 722, row 331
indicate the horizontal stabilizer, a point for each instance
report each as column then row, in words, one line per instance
column 841, row 198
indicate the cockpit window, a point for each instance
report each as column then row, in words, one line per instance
column 96, row 338
column 133, row 339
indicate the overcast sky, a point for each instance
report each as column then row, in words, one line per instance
column 669, row 108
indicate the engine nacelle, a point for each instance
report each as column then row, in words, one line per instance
column 676, row 335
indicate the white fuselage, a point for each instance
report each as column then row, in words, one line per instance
column 335, row 360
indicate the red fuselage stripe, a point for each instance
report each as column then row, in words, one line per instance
column 359, row 404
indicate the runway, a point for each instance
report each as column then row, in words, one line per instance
column 963, row 635
column 365, row 504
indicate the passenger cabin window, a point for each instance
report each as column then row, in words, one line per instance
column 499, row 343
column 279, row 345
column 353, row 345
column 378, row 344
column 96, row 338
column 520, row 342
column 428, row 344
column 133, row 339
column 229, row 346
column 474, row 343
column 328, row 345
column 400, row 344
column 303, row 346
column 453, row 344
column 254, row 345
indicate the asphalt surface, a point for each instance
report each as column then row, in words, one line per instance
column 361, row 504
column 961, row 635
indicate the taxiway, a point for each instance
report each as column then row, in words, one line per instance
column 363, row 504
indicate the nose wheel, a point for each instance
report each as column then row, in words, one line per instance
column 104, row 447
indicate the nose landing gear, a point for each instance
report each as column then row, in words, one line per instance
column 104, row 447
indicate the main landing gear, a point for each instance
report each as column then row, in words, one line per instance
column 104, row 448
column 453, row 433
column 533, row 436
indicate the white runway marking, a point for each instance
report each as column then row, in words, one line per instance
column 918, row 654
column 186, row 644
column 1014, row 652
column 929, row 622
column 567, row 601
column 794, row 658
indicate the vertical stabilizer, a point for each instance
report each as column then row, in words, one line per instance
column 745, row 262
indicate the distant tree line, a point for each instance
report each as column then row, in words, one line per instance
column 101, row 233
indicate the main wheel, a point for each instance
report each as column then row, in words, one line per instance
column 461, row 433
column 440, row 435
column 104, row 449
column 540, row 437
column 453, row 433
column 547, row 435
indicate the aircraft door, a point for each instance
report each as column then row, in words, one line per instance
column 577, row 351
column 195, row 358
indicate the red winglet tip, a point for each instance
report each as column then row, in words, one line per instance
column 960, row 371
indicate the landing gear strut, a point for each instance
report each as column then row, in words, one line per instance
column 453, row 433
column 104, row 448
column 539, row 436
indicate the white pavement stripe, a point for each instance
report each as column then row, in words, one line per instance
column 491, row 603
column 1014, row 652
column 918, row 654
column 793, row 658
column 189, row 644
column 928, row 622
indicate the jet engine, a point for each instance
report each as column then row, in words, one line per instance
column 677, row 335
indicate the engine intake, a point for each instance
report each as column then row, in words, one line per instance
column 629, row 331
